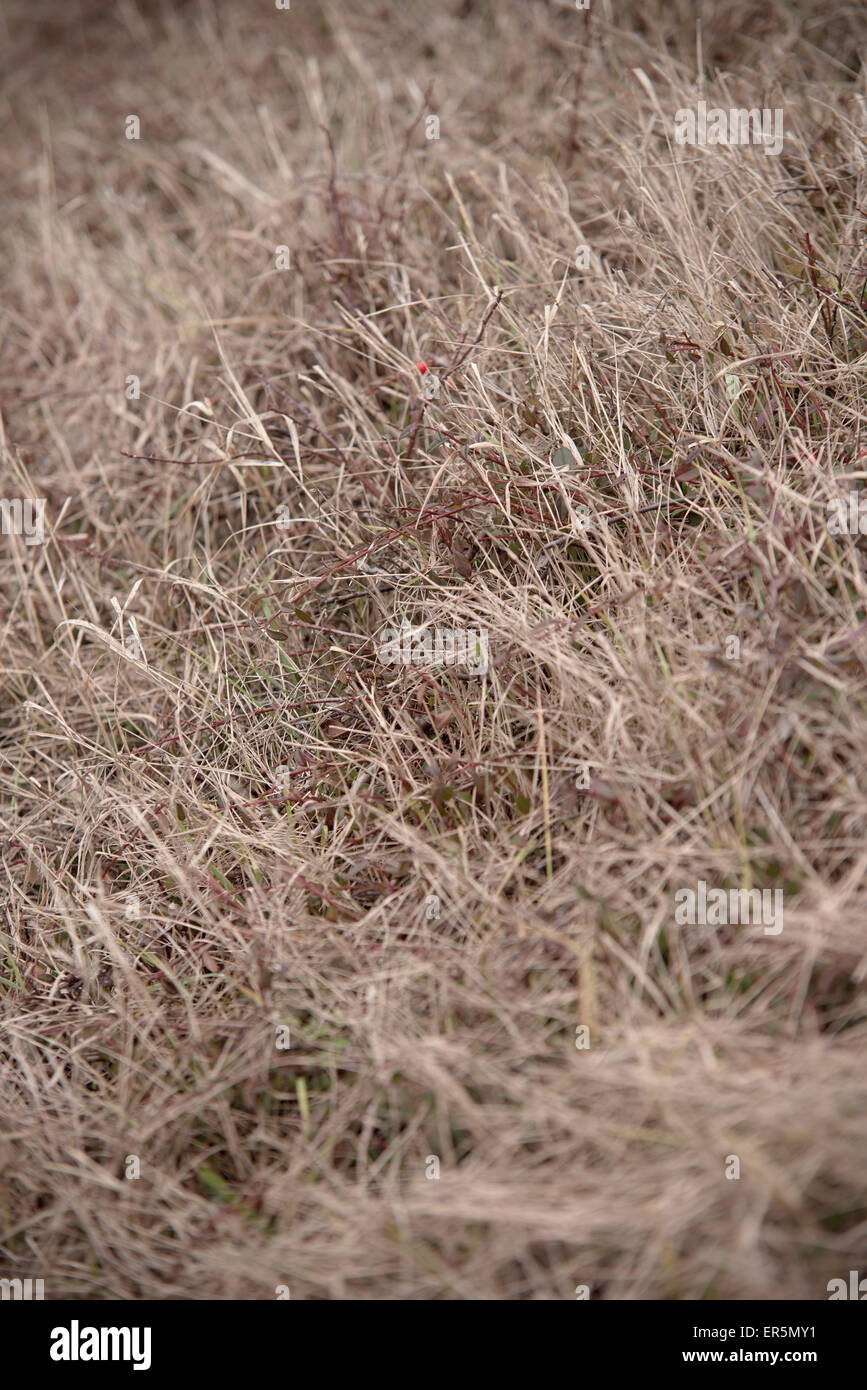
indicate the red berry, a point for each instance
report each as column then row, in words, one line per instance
column 422, row 366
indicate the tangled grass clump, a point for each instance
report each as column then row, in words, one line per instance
column 365, row 978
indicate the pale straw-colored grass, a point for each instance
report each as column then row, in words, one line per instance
column 247, row 829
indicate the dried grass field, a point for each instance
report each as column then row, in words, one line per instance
column 366, row 979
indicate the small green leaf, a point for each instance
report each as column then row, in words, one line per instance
column 216, row 1186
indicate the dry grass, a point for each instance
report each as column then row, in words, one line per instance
column 281, row 805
